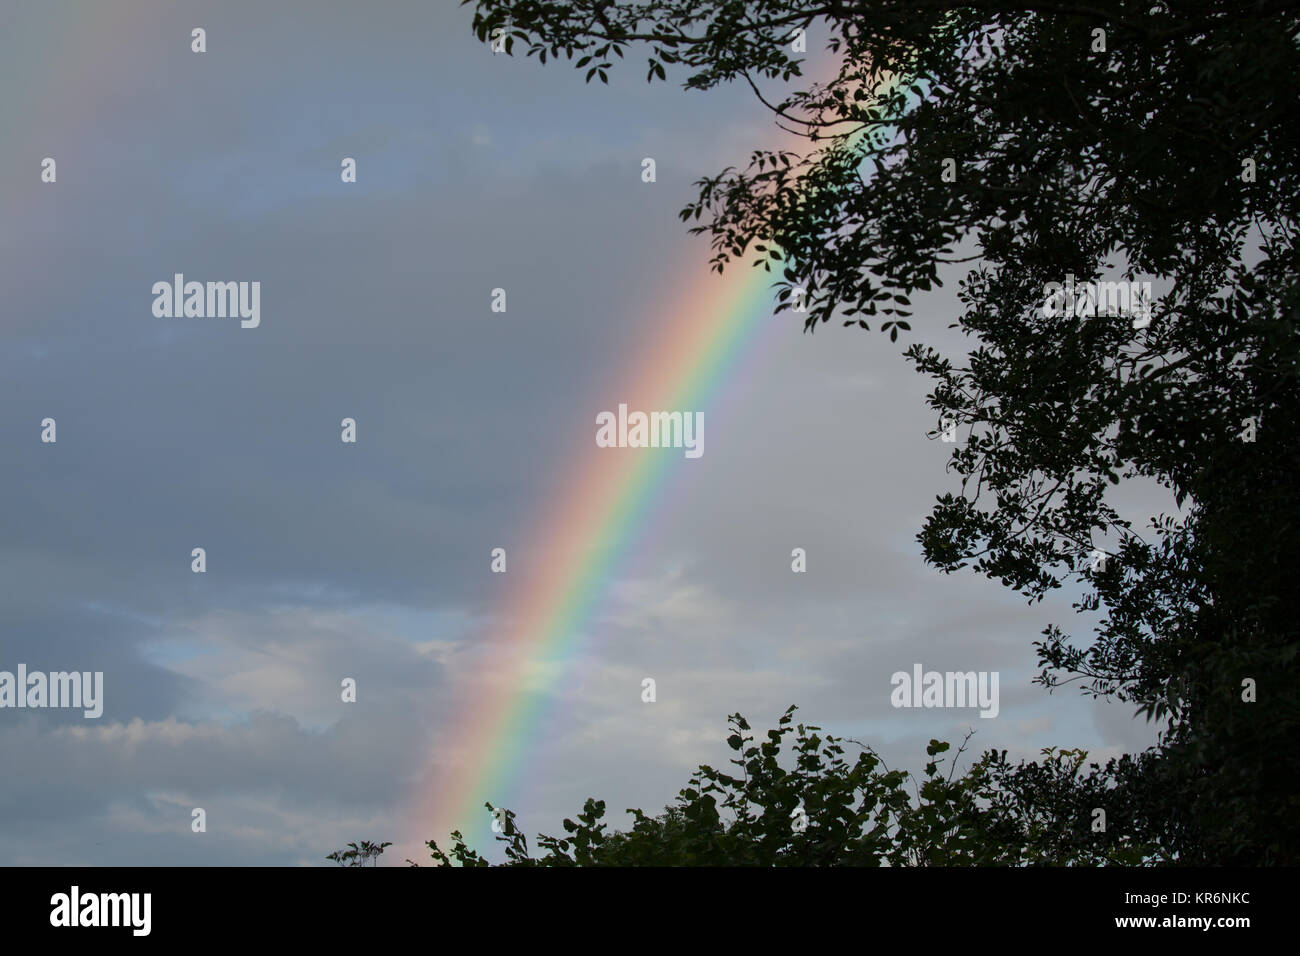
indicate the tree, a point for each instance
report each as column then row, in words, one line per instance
column 1036, row 142
column 359, row 854
column 815, row 808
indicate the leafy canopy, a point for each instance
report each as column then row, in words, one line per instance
column 802, row 803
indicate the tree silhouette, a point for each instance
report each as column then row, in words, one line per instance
column 803, row 803
column 359, row 854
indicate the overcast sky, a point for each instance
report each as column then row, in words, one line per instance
column 371, row 561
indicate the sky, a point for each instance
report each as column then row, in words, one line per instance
column 370, row 560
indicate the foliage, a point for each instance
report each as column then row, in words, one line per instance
column 803, row 803
column 359, row 854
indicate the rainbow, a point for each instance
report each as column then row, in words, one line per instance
column 66, row 59
column 720, row 327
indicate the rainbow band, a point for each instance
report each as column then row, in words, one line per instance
column 718, row 329
column 588, row 532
